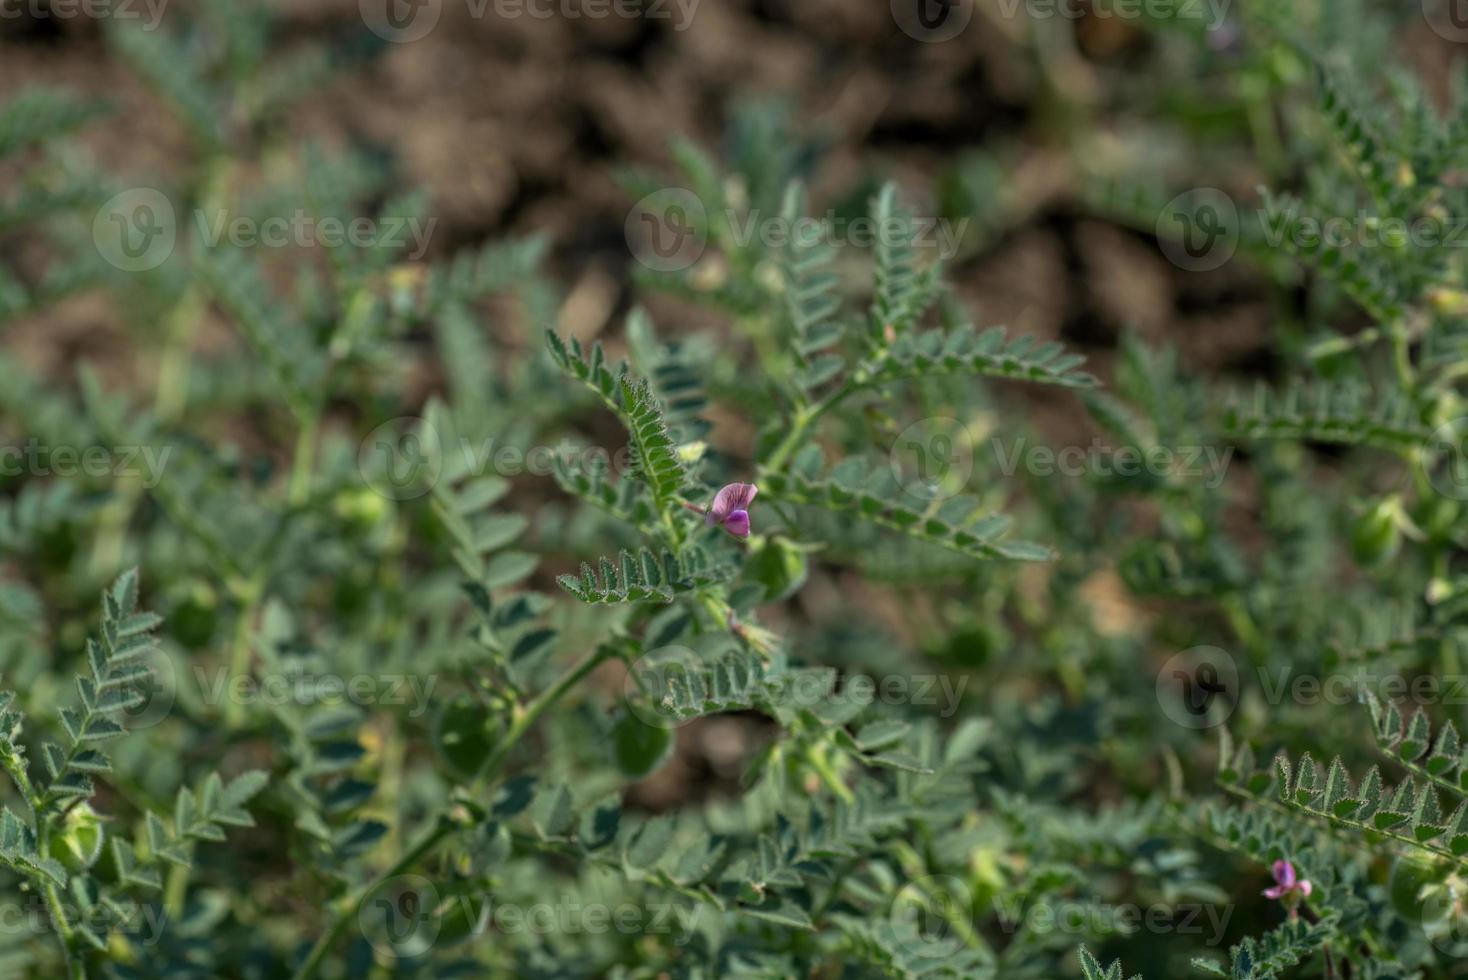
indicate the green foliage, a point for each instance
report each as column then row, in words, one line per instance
column 643, row 577
column 33, row 115
column 934, row 353
column 1092, row 970
column 1408, row 814
column 1325, row 413
column 958, row 525
column 1272, row 953
column 115, row 660
column 654, row 455
column 442, row 644
column 812, row 300
column 62, row 824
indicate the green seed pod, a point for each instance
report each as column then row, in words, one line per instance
column 464, row 735
column 640, row 748
column 1409, row 881
column 362, row 508
column 193, row 618
column 1437, row 515
column 1377, row 535
column 79, row 843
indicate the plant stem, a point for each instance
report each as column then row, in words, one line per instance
column 76, row 968
column 1402, row 356
column 443, row 826
column 239, row 657
column 446, row 823
column 302, row 464
column 175, row 892
column 804, row 419
column 526, row 718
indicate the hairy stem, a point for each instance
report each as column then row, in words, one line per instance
column 804, row 419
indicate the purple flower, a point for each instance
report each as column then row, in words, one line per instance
column 730, row 509
column 1286, row 886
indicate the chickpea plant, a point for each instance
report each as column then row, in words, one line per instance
column 697, row 702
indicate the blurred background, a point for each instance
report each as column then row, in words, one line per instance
column 515, row 123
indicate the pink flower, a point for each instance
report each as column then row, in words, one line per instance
column 730, row 509
column 1286, row 886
